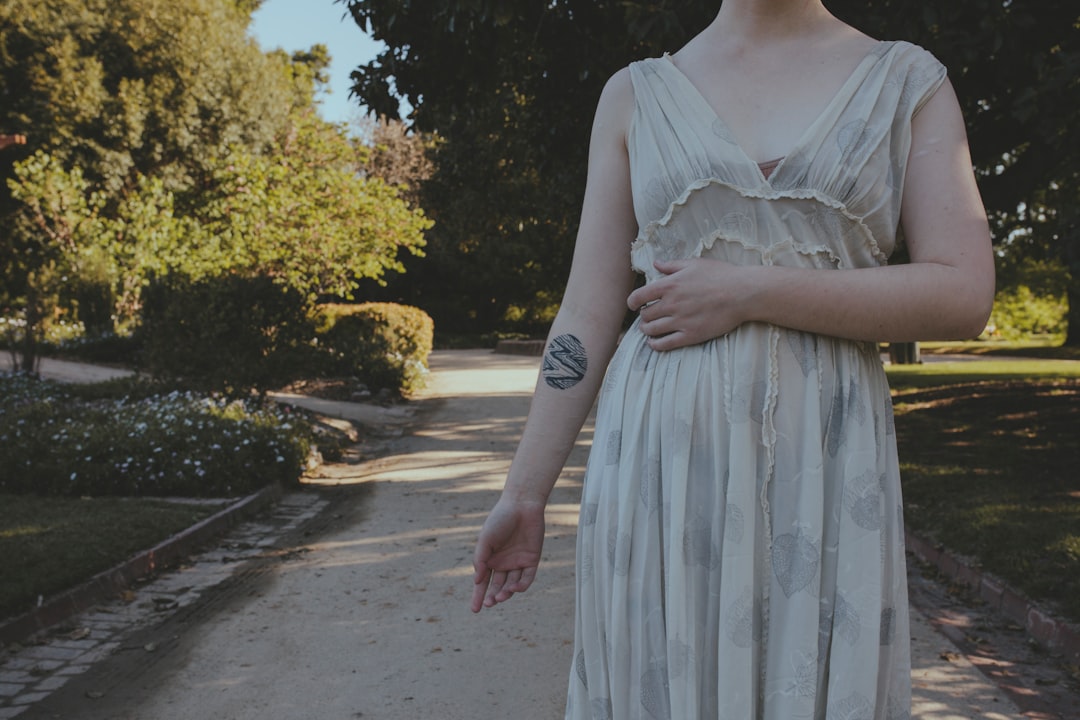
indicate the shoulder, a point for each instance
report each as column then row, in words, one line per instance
column 915, row 72
column 616, row 105
column 908, row 57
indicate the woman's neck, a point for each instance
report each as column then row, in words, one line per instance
column 770, row 19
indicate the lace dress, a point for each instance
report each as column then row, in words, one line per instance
column 740, row 547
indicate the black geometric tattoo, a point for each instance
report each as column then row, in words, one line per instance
column 565, row 362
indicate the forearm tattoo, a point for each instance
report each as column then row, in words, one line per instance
column 564, row 363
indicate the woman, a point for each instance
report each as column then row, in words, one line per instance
column 740, row 546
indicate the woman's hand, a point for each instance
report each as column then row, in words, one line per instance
column 697, row 300
column 507, row 552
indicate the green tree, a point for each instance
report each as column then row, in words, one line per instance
column 515, row 104
column 306, row 216
column 127, row 87
column 55, row 235
column 136, row 99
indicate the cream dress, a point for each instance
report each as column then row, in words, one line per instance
column 740, row 547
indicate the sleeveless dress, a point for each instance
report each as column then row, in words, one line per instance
column 740, row 546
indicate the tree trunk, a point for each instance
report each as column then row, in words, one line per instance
column 1072, row 288
column 1072, row 332
column 28, row 349
column 905, row 353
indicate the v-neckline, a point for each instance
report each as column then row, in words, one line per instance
column 853, row 81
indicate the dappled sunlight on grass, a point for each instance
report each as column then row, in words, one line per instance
column 49, row 544
column 23, row 531
column 989, row 470
column 952, row 373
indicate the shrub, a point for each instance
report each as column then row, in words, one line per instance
column 231, row 334
column 85, row 440
column 383, row 344
column 1020, row 313
column 106, row 347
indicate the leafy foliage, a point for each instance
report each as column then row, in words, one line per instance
column 126, row 87
column 164, row 144
column 1031, row 299
column 227, row 334
column 305, row 216
column 397, row 156
column 384, row 344
column 514, row 108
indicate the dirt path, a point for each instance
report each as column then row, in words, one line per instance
column 370, row 620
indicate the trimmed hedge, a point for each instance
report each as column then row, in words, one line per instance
column 229, row 334
column 383, row 344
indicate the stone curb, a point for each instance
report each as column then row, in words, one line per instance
column 1052, row 633
column 520, row 347
column 110, row 583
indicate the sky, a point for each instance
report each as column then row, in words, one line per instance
column 298, row 24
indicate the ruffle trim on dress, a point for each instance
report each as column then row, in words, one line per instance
column 650, row 230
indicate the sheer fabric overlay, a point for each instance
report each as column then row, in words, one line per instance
column 740, row 545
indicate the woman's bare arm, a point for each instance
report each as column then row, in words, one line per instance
column 580, row 344
column 946, row 291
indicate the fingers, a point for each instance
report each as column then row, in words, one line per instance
column 479, row 589
column 648, row 294
column 642, row 297
column 667, row 267
column 495, row 586
column 671, row 341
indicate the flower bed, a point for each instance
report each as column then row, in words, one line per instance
column 134, row 440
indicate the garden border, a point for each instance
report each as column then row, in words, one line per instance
column 1051, row 632
column 110, row 583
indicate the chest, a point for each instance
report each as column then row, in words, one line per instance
column 768, row 106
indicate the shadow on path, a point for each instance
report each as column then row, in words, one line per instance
column 370, row 620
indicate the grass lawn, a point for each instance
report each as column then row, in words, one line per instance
column 1044, row 349
column 989, row 455
column 49, row 544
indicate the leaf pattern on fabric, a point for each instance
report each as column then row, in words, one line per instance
column 740, row 624
column 655, row 692
column 680, row 658
column 862, row 499
column 856, row 408
column 614, row 447
column 587, row 565
column 734, row 524
column 804, row 676
column 851, row 137
column 888, row 626
column 737, row 225
column 846, row 621
column 698, row 546
column 611, row 377
column 834, row 436
column 602, row 710
column 897, row 709
column 795, row 561
column 579, row 666
column 650, row 484
column 589, row 513
column 619, row 551
column 749, row 402
column 804, row 348
column 852, row 707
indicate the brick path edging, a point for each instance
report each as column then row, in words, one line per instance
column 1052, row 633
column 111, row 582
